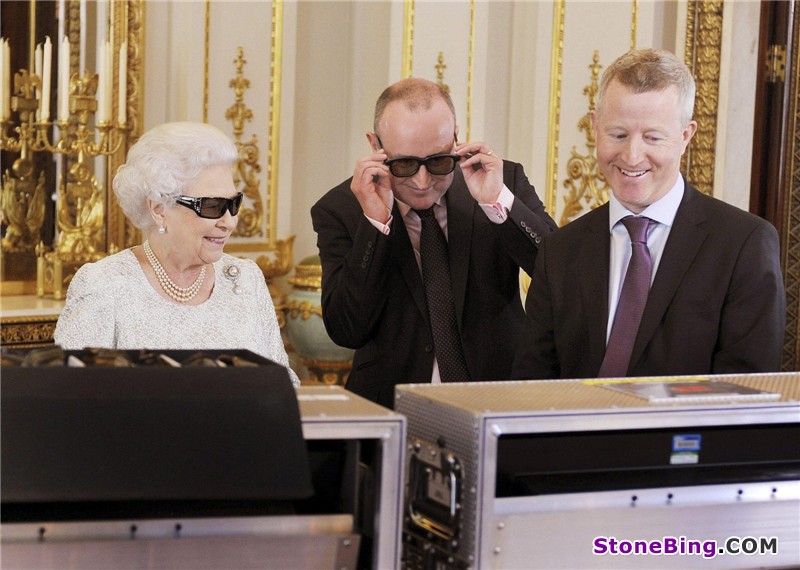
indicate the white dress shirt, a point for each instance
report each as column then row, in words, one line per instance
column 663, row 212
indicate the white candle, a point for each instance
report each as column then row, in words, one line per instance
column 6, row 55
column 63, row 80
column 37, row 71
column 47, row 72
column 2, row 79
column 109, row 72
column 123, row 83
column 101, row 84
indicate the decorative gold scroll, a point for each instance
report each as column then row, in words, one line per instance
column 245, row 180
column 440, row 67
column 586, row 185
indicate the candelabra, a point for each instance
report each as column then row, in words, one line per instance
column 80, row 205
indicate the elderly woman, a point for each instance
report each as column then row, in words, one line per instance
column 178, row 290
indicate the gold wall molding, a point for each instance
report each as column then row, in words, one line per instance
column 556, row 63
column 408, row 57
column 703, row 56
column 206, row 59
column 586, row 185
column 121, row 233
column 260, row 219
column 578, row 168
column 470, row 68
column 791, row 223
column 251, row 215
column 276, row 84
column 408, row 40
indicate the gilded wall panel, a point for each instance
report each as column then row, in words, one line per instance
column 702, row 55
column 791, row 238
column 580, row 53
column 239, row 58
column 448, row 58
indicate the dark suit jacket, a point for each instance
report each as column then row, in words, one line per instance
column 717, row 303
column 373, row 298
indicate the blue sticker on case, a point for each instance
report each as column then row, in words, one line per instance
column 686, row 442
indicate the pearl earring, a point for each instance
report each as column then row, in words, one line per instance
column 162, row 230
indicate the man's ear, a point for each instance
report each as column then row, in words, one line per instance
column 372, row 138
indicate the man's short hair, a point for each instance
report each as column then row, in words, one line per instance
column 416, row 93
column 646, row 70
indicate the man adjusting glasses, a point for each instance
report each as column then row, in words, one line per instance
column 421, row 249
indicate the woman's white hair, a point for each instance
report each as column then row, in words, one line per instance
column 163, row 164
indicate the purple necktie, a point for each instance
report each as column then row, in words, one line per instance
column 436, row 277
column 632, row 300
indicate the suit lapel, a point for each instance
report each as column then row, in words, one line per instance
column 594, row 256
column 460, row 209
column 684, row 241
column 403, row 254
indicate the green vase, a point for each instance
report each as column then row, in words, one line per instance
column 327, row 362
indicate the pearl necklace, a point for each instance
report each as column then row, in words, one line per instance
column 179, row 294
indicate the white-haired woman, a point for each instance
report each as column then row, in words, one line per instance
column 178, row 290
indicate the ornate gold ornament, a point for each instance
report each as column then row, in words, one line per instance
column 303, row 309
column 250, row 218
column 328, row 372
column 586, row 185
column 440, row 67
column 27, row 332
column 703, row 53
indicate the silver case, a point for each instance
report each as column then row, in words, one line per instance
column 556, row 531
column 309, row 541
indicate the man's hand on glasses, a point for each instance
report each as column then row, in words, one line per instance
column 372, row 186
column 482, row 169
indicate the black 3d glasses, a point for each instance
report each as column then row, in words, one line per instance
column 212, row 208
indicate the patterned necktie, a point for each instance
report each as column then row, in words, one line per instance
column 438, row 291
column 632, row 300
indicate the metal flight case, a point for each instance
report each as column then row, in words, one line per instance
column 201, row 467
column 578, row 474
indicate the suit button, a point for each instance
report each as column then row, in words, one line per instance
column 366, row 258
column 369, row 245
column 363, row 266
column 524, row 225
column 537, row 239
column 428, row 347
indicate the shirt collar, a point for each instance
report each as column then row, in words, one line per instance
column 662, row 211
column 405, row 208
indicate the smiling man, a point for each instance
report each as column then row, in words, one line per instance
column 661, row 280
column 421, row 250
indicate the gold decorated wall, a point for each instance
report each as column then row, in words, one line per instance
column 294, row 83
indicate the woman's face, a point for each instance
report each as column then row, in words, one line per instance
column 193, row 239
